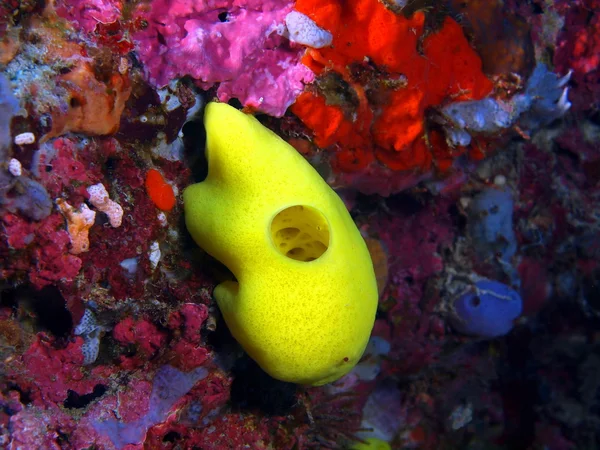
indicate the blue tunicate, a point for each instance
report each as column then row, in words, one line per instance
column 168, row 387
column 487, row 310
column 544, row 99
column 31, row 199
column 478, row 116
column 18, row 194
column 9, row 106
column 490, row 225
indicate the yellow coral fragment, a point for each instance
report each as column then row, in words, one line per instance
column 372, row 444
column 305, row 298
column 79, row 223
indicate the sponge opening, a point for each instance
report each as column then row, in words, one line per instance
column 300, row 233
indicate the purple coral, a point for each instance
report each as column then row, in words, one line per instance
column 90, row 13
column 237, row 43
column 169, row 386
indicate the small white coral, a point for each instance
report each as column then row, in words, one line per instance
column 90, row 330
column 100, row 200
column 87, row 324
column 25, row 138
column 90, row 349
column 162, row 219
column 303, row 30
column 14, row 167
column 130, row 265
column 154, row 254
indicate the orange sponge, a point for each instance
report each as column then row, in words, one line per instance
column 389, row 122
column 94, row 107
column 159, row 191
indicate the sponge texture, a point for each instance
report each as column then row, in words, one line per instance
column 305, row 298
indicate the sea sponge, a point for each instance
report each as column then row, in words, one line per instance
column 396, row 70
column 160, row 192
column 372, row 444
column 79, row 223
column 305, row 298
column 487, row 309
column 94, row 106
column 100, row 200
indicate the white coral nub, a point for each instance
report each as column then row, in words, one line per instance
column 303, row 30
column 90, row 330
column 14, row 167
column 154, row 254
column 100, row 200
column 25, row 138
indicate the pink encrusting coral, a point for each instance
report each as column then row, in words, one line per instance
column 233, row 42
column 104, row 346
column 89, row 14
column 49, row 260
column 578, row 49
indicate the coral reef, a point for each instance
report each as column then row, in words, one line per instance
column 79, row 223
column 386, row 85
column 543, row 101
column 462, row 136
column 578, row 49
column 235, row 43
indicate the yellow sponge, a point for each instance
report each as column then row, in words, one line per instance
column 372, row 444
column 304, row 302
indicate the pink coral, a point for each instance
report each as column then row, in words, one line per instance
column 578, row 49
column 33, row 428
column 188, row 352
column 414, row 241
column 142, row 333
column 67, row 165
column 88, row 14
column 49, row 373
column 49, row 261
column 232, row 42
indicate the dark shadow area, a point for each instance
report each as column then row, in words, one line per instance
column 47, row 307
column 194, row 141
column 74, row 400
column 51, row 310
column 408, row 203
column 253, row 389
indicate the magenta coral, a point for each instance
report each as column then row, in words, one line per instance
column 142, row 333
column 50, row 261
column 67, row 165
column 232, row 42
column 414, row 241
column 49, row 373
column 88, row 14
column 578, row 49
